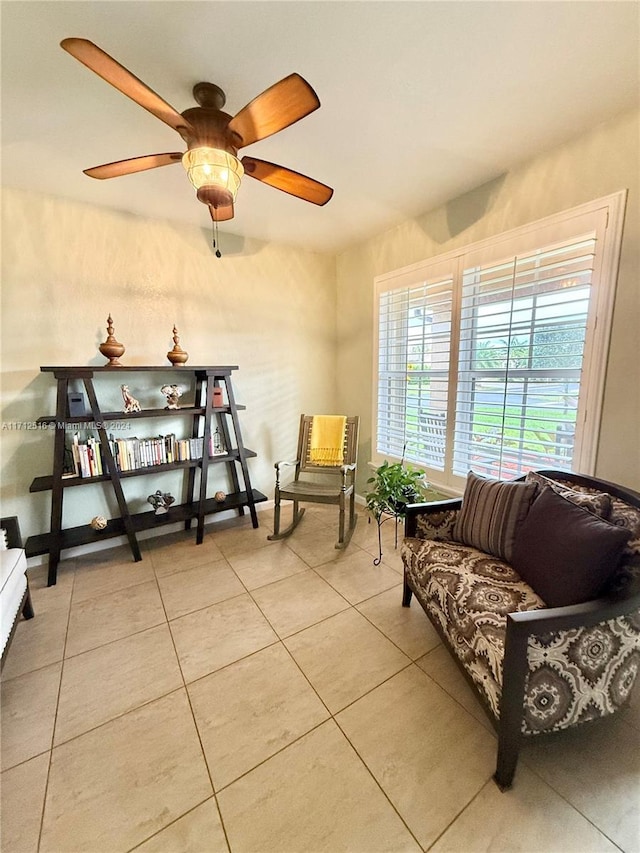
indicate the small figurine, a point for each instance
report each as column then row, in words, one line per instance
column 173, row 394
column 160, row 502
column 217, row 444
column 99, row 522
column 130, row 402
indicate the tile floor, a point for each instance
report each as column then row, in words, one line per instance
column 246, row 695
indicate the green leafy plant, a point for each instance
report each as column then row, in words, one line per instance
column 395, row 486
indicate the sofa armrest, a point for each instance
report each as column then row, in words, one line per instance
column 564, row 665
column 536, row 622
column 444, row 512
column 10, row 524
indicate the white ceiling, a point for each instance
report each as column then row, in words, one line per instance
column 421, row 101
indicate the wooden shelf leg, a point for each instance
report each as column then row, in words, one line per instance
column 204, row 468
column 243, row 458
column 113, row 471
column 56, row 486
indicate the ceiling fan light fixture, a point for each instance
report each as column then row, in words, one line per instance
column 214, row 173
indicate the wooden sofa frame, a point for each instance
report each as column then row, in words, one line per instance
column 523, row 625
column 14, row 540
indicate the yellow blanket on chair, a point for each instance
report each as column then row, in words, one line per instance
column 327, row 439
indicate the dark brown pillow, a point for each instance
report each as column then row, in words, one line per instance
column 492, row 511
column 565, row 553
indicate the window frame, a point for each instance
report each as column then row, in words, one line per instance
column 607, row 216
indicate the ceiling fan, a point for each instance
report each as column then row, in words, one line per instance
column 212, row 136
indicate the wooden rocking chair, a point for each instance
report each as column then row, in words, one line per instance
column 328, row 483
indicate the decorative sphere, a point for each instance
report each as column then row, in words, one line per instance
column 220, row 497
column 99, row 522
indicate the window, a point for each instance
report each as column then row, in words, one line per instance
column 492, row 357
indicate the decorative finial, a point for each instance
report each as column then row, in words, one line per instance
column 111, row 348
column 177, row 355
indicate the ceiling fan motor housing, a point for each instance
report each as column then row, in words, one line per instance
column 209, row 129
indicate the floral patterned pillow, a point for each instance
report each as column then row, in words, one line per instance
column 599, row 503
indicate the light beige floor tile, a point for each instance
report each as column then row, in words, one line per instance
column 57, row 597
column 110, row 617
column 529, row 817
column 298, row 602
column 392, row 560
column 344, row 657
column 28, row 714
column 36, row 643
column 119, row 556
column 265, row 565
column 315, row 543
column 597, row 769
column 101, row 579
column 366, row 533
column 367, row 538
column 193, row 589
column 248, row 711
column 429, row 755
column 407, row 627
column 103, row 683
column 356, row 578
column 277, row 807
column 241, row 537
column 265, row 517
column 115, row 786
column 199, row 831
column 219, row 635
column 23, row 790
column 176, row 552
column 439, row 665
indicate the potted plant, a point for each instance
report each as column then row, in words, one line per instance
column 395, row 486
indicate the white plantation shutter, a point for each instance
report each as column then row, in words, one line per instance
column 492, row 357
column 523, row 325
column 414, row 334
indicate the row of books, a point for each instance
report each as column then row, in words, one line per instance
column 131, row 454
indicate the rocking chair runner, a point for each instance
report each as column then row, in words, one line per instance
column 336, row 488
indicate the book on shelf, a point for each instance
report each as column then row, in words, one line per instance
column 134, row 454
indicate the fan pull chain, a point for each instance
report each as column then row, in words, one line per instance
column 216, row 239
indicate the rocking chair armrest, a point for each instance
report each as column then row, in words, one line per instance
column 346, row 468
column 284, row 462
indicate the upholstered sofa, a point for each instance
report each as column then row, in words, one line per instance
column 557, row 644
column 15, row 597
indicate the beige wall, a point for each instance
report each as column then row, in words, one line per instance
column 602, row 161
column 267, row 308
column 271, row 310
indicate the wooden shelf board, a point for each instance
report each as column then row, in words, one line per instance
column 145, row 413
column 44, row 484
column 74, row 536
column 143, row 368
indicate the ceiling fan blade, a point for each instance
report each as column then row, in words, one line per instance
column 222, row 213
column 287, row 180
column 276, row 108
column 117, row 75
column 135, row 164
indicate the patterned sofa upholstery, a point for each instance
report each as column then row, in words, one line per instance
column 537, row 669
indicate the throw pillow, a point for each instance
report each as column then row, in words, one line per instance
column 566, row 554
column 598, row 503
column 491, row 512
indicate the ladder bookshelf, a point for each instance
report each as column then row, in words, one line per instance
column 196, row 505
